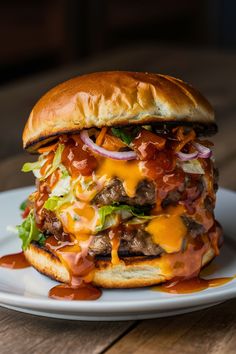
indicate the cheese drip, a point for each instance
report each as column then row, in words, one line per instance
column 78, row 219
column 115, row 243
column 168, row 230
column 129, row 172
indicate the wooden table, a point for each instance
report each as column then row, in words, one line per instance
column 211, row 330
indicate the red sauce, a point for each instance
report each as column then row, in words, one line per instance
column 53, row 244
column 40, row 199
column 147, row 144
column 191, row 285
column 80, row 267
column 25, row 213
column 114, row 236
column 78, row 264
column 82, row 292
column 53, row 179
column 48, row 162
column 77, row 159
column 163, row 164
column 44, row 189
column 14, row 261
column 159, row 164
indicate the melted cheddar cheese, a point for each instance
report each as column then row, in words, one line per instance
column 78, row 219
column 129, row 172
column 115, row 243
column 168, row 230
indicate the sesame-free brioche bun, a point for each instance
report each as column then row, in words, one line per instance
column 132, row 272
column 111, row 99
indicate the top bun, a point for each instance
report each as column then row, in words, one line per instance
column 113, row 98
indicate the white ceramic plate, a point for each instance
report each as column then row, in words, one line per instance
column 26, row 290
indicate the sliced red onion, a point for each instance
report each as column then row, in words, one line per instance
column 186, row 157
column 116, row 155
column 203, row 151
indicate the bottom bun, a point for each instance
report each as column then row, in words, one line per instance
column 132, row 272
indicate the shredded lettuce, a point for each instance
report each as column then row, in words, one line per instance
column 136, row 221
column 29, row 232
column 53, row 203
column 62, row 187
column 85, row 183
column 31, row 166
column 56, row 161
column 192, row 166
column 36, row 166
column 108, row 214
column 62, row 193
column 64, row 172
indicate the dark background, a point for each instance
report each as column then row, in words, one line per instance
column 37, row 35
column 45, row 42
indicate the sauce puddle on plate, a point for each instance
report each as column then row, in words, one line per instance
column 14, row 261
column 82, row 292
column 191, row 285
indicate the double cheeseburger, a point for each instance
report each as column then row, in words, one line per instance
column 125, row 181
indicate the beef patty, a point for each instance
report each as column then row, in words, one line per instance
column 114, row 193
column 132, row 242
column 51, row 225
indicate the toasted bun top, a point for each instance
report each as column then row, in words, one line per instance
column 113, row 98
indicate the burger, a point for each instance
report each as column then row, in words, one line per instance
column 125, row 181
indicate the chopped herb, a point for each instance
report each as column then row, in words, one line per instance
column 76, row 218
column 124, row 134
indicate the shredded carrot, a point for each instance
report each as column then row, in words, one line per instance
column 184, row 139
column 101, row 136
column 112, row 143
column 48, row 148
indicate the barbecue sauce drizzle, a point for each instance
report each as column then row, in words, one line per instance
column 14, row 261
column 158, row 164
column 191, row 285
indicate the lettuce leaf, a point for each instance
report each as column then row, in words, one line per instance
column 126, row 211
column 23, row 205
column 28, row 232
column 36, row 166
column 193, row 166
column 53, row 203
column 30, row 166
column 62, row 187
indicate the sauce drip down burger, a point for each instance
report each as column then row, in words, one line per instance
column 125, row 183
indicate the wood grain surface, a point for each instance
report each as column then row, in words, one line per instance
column 21, row 333
column 206, row 331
